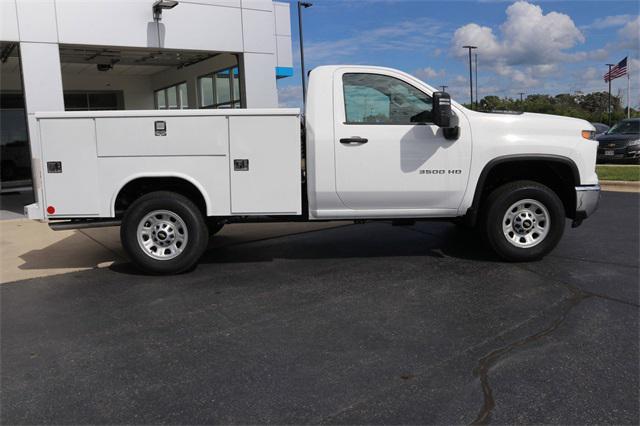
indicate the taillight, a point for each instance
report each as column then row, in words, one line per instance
column 51, row 210
column 589, row 134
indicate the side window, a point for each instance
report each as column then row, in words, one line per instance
column 380, row 99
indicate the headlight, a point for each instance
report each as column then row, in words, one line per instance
column 634, row 143
column 589, row 134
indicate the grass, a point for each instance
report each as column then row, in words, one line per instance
column 613, row 172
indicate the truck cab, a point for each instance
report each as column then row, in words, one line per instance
column 378, row 144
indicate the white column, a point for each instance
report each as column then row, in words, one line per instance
column 259, row 73
column 42, row 85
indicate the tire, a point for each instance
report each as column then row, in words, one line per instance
column 523, row 221
column 164, row 233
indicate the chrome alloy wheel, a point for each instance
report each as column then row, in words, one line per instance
column 526, row 223
column 162, row 235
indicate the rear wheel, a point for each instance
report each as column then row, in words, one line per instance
column 523, row 220
column 164, row 233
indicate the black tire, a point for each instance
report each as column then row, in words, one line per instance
column 501, row 200
column 186, row 211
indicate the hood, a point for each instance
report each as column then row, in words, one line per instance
column 617, row 137
column 531, row 125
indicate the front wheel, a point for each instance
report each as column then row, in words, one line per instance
column 523, row 220
column 164, row 233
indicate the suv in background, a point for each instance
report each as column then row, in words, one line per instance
column 600, row 128
column 621, row 143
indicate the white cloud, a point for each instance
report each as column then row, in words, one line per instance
column 609, row 22
column 630, row 34
column 429, row 73
column 290, row 96
column 420, row 34
column 528, row 50
column 527, row 37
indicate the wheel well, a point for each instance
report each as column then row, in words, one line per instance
column 138, row 187
column 559, row 175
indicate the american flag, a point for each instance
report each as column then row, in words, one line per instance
column 617, row 71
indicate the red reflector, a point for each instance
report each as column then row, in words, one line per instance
column 51, row 210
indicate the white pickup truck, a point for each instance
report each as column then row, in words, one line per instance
column 376, row 144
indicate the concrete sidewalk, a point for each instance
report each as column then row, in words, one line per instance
column 30, row 249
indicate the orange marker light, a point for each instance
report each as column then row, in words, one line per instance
column 589, row 134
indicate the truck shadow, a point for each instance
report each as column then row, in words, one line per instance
column 373, row 240
column 379, row 239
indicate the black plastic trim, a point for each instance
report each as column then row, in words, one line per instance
column 472, row 212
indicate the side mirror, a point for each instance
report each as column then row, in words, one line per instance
column 443, row 116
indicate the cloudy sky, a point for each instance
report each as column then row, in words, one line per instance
column 532, row 47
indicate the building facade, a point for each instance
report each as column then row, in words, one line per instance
column 58, row 55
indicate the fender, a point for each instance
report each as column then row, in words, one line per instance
column 129, row 179
column 472, row 212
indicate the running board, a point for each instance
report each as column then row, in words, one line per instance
column 82, row 224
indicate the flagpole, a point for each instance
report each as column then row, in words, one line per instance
column 628, row 87
column 609, row 108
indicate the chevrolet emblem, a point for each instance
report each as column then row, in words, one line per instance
column 612, row 145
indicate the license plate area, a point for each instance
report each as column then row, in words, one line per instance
column 609, row 152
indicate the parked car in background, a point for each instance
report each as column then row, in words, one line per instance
column 600, row 128
column 621, row 143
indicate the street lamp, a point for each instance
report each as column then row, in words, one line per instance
column 301, row 5
column 476, row 57
column 470, row 73
column 444, row 88
column 160, row 5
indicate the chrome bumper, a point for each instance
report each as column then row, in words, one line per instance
column 587, row 200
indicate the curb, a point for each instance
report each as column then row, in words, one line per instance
column 619, row 186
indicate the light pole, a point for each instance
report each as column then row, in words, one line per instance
column 476, row 81
column 609, row 78
column 521, row 100
column 470, row 73
column 301, row 5
column 444, row 88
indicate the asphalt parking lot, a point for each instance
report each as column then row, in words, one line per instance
column 356, row 324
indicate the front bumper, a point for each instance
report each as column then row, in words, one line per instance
column 587, row 200
column 623, row 154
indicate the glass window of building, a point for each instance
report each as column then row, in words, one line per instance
column 172, row 97
column 220, row 89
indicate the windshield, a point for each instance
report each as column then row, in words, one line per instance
column 625, row 128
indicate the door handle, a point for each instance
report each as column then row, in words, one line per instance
column 354, row 140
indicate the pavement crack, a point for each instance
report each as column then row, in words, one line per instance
column 488, row 361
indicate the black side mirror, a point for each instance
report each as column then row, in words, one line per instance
column 443, row 116
column 442, row 109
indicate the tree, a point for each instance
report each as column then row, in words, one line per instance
column 592, row 106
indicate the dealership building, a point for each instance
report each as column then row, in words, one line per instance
column 80, row 55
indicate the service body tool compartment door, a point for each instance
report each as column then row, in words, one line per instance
column 70, row 166
column 265, row 164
